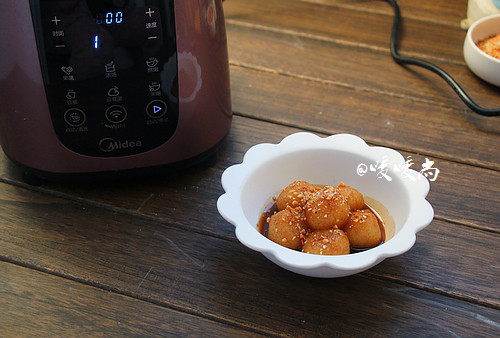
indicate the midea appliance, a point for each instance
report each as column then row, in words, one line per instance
column 100, row 86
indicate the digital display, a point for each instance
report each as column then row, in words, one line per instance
column 109, row 18
column 108, row 12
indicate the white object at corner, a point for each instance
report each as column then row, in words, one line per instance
column 477, row 9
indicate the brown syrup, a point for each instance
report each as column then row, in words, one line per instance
column 263, row 224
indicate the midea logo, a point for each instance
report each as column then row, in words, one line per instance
column 108, row 144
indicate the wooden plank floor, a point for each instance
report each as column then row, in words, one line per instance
column 152, row 257
column 203, row 275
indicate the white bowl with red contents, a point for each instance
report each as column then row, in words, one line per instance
column 484, row 65
column 395, row 191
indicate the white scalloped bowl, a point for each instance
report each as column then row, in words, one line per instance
column 268, row 168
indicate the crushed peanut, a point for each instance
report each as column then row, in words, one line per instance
column 490, row 45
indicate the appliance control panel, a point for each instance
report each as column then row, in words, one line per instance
column 110, row 73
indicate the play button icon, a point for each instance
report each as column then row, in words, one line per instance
column 156, row 109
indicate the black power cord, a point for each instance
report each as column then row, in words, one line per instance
column 421, row 63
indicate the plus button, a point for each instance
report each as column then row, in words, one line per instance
column 149, row 12
column 56, row 20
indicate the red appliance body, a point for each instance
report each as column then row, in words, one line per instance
column 99, row 86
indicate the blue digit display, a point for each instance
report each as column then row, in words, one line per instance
column 96, row 41
column 109, row 18
column 119, row 17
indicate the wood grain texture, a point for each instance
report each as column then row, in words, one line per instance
column 168, row 264
column 341, row 63
column 340, row 73
column 39, row 304
column 444, row 12
column 360, row 22
column 420, row 127
column 152, row 256
column 157, row 197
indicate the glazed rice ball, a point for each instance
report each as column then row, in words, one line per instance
column 294, row 195
column 288, row 228
column 354, row 198
column 362, row 229
column 327, row 242
column 326, row 209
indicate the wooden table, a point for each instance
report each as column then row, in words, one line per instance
column 153, row 257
